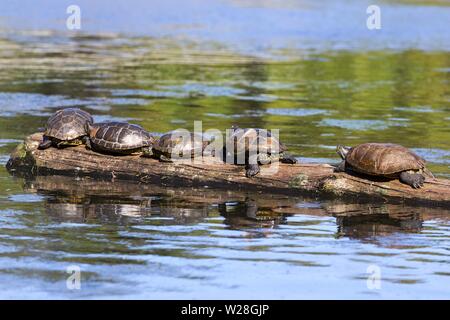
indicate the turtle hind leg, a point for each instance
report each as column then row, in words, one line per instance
column 414, row 180
column 62, row 144
column 88, row 143
column 45, row 144
column 251, row 170
column 163, row 158
column 288, row 158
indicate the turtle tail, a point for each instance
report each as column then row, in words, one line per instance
column 428, row 173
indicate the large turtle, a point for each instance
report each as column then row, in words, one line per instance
column 119, row 138
column 255, row 146
column 386, row 160
column 179, row 144
column 67, row 127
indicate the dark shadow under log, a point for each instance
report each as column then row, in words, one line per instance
column 300, row 179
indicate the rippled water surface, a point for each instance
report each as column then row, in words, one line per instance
column 320, row 86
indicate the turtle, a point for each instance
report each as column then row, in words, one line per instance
column 179, row 144
column 387, row 160
column 67, row 127
column 120, row 138
column 256, row 146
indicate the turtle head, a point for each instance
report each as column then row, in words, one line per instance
column 342, row 151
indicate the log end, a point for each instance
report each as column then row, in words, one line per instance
column 22, row 156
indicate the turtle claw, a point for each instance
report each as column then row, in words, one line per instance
column 417, row 185
column 413, row 179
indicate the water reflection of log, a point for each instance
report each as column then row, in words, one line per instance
column 87, row 190
column 301, row 179
column 121, row 202
column 85, row 199
column 376, row 225
column 122, row 213
column 397, row 211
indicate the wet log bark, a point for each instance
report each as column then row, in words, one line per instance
column 300, row 179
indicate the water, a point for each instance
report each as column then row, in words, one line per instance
column 320, row 84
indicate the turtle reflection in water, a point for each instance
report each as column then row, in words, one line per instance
column 248, row 213
column 386, row 160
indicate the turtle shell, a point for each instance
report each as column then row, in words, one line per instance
column 119, row 136
column 176, row 142
column 254, row 139
column 383, row 159
column 68, row 124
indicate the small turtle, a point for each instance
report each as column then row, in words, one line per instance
column 119, row 138
column 256, row 146
column 386, row 160
column 179, row 144
column 67, row 127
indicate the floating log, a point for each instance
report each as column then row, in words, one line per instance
column 308, row 179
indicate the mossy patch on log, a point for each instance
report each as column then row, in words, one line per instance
column 298, row 181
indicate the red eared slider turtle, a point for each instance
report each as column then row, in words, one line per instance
column 179, row 144
column 119, row 138
column 67, row 127
column 256, row 146
column 386, row 160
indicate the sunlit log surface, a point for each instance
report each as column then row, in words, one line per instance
column 309, row 179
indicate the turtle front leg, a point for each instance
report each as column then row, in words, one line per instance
column 84, row 140
column 288, row 158
column 340, row 167
column 147, row 152
column 251, row 170
column 252, row 164
column 45, row 144
column 414, row 180
column 88, row 143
